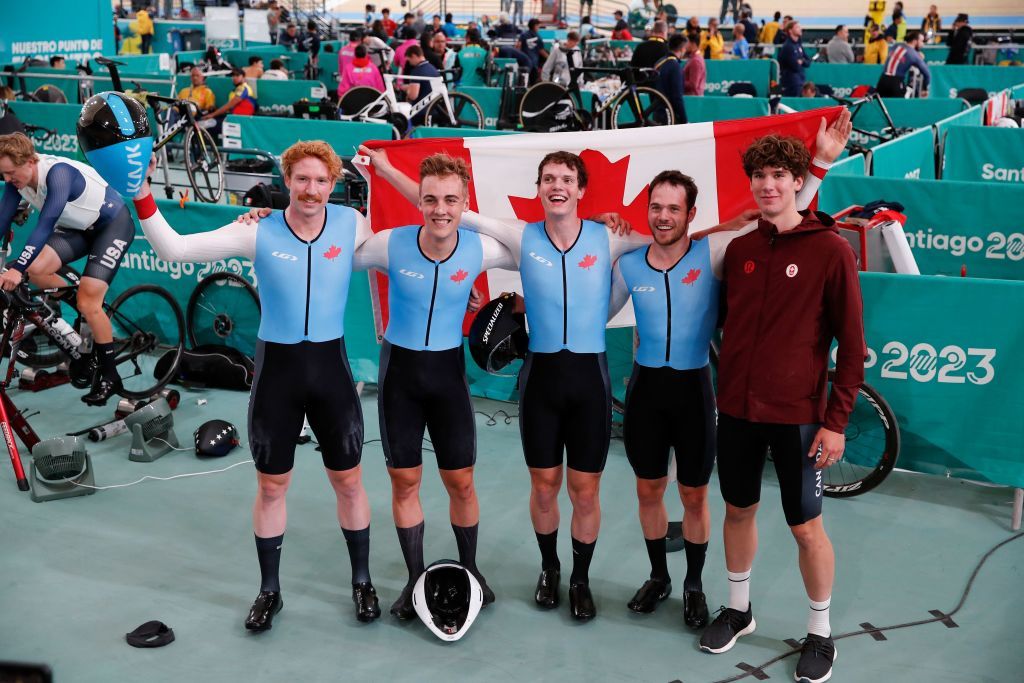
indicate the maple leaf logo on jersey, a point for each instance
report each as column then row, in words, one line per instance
column 692, row 276
column 459, row 275
column 333, row 252
column 587, row 261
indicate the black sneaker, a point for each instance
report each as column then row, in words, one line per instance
column 265, row 607
column 488, row 593
column 695, row 609
column 816, row 657
column 726, row 629
column 403, row 607
column 581, row 602
column 365, row 597
column 546, row 594
column 650, row 594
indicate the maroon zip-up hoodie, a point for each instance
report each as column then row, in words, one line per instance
column 787, row 296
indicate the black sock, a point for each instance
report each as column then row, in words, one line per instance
column 105, row 355
column 582, row 553
column 269, row 552
column 411, row 540
column 548, row 550
column 695, row 554
column 465, row 538
column 358, row 542
column 659, row 562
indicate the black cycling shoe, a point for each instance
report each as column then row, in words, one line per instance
column 261, row 616
column 695, row 609
column 581, row 602
column 365, row 597
column 488, row 593
column 547, row 588
column 403, row 607
column 650, row 594
column 102, row 389
column 83, row 371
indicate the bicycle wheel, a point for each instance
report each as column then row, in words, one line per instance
column 203, row 165
column 872, row 447
column 147, row 324
column 655, row 110
column 224, row 309
column 362, row 101
column 37, row 350
column 547, row 107
column 468, row 113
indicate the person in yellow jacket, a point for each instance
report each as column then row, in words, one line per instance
column 145, row 29
column 769, row 30
column 876, row 47
column 199, row 92
column 712, row 42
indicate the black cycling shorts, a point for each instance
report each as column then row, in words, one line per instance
column 420, row 390
column 670, row 409
column 106, row 244
column 565, row 405
column 742, row 447
column 311, row 380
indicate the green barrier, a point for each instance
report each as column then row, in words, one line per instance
column 274, row 135
column 924, row 363
column 947, row 80
column 908, row 156
column 945, row 228
column 968, row 117
column 143, row 65
column 724, row 72
column 295, row 62
column 1017, row 92
column 32, row 83
column 935, row 54
column 62, row 118
column 988, row 154
column 844, row 77
column 702, row 109
column 853, row 165
column 489, row 100
column 427, row 132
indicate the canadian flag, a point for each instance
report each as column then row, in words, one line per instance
column 620, row 164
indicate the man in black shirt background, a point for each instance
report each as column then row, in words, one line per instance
column 652, row 50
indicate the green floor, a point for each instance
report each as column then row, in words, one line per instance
column 79, row 573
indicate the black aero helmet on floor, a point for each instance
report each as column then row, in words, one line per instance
column 498, row 334
column 447, row 598
column 114, row 134
column 215, row 438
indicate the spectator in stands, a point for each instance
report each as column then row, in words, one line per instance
column 273, row 20
column 360, row 72
column 740, row 46
column 290, row 38
column 876, row 47
column 276, row 72
column 443, row 57
column 348, row 51
column 931, row 25
column 809, row 90
column 838, row 48
column 726, row 5
column 517, row 12
column 695, row 73
column 587, row 30
column 255, row 67
column 472, row 56
column 212, row 61
column 561, row 58
column 589, row 4
column 368, row 17
column 505, row 30
column 377, row 29
column 898, row 28
column 902, row 58
column 959, row 40
column 692, row 30
column 310, row 43
column 532, row 44
column 420, row 24
column 670, row 76
column 652, row 50
column 770, row 29
column 792, row 61
column 435, row 25
column 389, row 24
column 241, row 103
column 621, row 30
column 416, row 64
column 780, row 35
column 712, row 42
column 749, row 27
column 145, row 29
column 57, row 62
column 199, row 92
column 449, row 26
column 406, row 30
column 401, row 50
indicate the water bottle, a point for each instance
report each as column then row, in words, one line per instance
column 61, row 327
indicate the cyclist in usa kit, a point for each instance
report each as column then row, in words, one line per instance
column 422, row 384
column 565, row 404
column 79, row 214
column 303, row 260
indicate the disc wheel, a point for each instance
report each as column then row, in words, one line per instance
column 655, row 110
column 224, row 309
column 362, row 101
column 148, row 324
column 468, row 114
column 547, row 107
column 203, row 165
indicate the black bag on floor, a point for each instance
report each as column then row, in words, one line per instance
column 212, row 366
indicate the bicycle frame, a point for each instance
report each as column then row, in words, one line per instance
column 628, row 79
column 438, row 89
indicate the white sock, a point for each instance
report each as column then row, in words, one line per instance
column 817, row 623
column 739, row 591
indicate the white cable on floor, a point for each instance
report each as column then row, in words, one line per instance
column 176, row 476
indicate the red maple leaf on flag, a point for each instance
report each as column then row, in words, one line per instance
column 605, row 192
column 587, row 261
column 460, row 275
column 691, row 277
column 333, row 252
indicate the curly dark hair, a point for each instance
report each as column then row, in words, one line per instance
column 569, row 159
column 777, row 151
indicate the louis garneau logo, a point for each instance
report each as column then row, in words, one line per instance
column 643, row 288
column 411, row 273
column 540, row 259
column 284, row 255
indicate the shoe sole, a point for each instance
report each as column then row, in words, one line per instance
column 728, row 646
column 805, row 679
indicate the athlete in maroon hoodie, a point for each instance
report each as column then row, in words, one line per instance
column 791, row 288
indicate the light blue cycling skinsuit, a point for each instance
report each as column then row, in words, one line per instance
column 422, row 382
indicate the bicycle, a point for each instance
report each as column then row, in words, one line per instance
column 549, row 106
column 439, row 108
column 203, row 163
